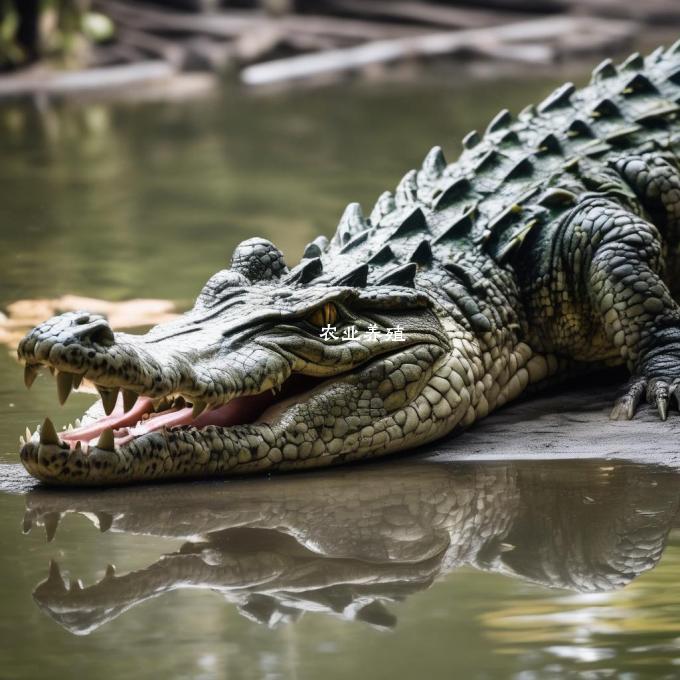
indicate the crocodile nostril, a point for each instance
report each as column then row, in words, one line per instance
column 82, row 319
column 98, row 332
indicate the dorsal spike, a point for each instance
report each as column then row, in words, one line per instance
column 356, row 278
column 658, row 111
column 471, row 139
column 515, row 242
column 674, row 48
column 634, row 62
column 595, row 148
column 460, row 228
column 351, row 222
column 407, row 189
column 383, row 206
column 674, row 77
column 527, row 113
column 500, row 121
column 422, row 255
column 549, row 144
column 383, row 256
column 400, row 276
column 579, row 128
column 605, row 108
column 507, row 216
column 571, row 164
column 316, row 247
column 639, row 84
column 458, row 188
column 355, row 241
column 305, row 271
column 656, row 56
column 621, row 133
column 509, row 137
column 415, row 221
column 522, row 168
column 559, row 98
column 486, row 160
column 605, row 69
column 557, row 198
column 434, row 163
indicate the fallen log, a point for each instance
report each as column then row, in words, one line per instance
column 88, row 80
column 157, row 48
column 426, row 13
column 432, row 44
column 233, row 23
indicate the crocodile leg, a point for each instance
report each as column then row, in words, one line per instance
column 618, row 257
column 656, row 183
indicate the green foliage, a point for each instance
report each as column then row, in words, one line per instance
column 60, row 30
column 10, row 52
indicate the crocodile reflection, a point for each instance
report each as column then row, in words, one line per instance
column 349, row 543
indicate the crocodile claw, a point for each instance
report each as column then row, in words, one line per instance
column 625, row 406
column 658, row 393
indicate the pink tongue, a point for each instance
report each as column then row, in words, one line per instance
column 118, row 418
column 232, row 413
column 238, row 411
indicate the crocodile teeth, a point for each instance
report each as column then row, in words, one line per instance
column 75, row 586
column 179, row 402
column 30, row 374
column 27, row 524
column 199, row 407
column 106, row 441
column 129, row 399
column 54, row 577
column 22, row 441
column 162, row 404
column 48, row 435
column 104, row 520
column 109, row 398
column 28, row 435
column 51, row 521
column 110, row 571
column 78, row 422
column 77, row 379
column 64, row 386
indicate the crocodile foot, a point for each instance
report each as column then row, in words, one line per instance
column 659, row 393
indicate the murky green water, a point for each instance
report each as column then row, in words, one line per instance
column 401, row 570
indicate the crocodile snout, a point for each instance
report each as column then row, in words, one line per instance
column 66, row 338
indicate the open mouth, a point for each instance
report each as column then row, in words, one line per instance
column 125, row 422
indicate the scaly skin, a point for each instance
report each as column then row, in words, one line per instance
column 550, row 244
column 349, row 544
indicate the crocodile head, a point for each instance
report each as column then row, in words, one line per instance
column 244, row 380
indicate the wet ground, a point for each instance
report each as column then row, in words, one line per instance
column 493, row 555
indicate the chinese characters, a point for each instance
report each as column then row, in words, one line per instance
column 373, row 333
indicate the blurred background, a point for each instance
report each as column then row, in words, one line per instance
column 139, row 143
column 275, row 41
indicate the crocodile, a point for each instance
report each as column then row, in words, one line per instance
column 548, row 249
column 352, row 545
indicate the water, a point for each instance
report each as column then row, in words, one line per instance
column 407, row 569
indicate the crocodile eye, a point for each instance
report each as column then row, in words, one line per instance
column 324, row 316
